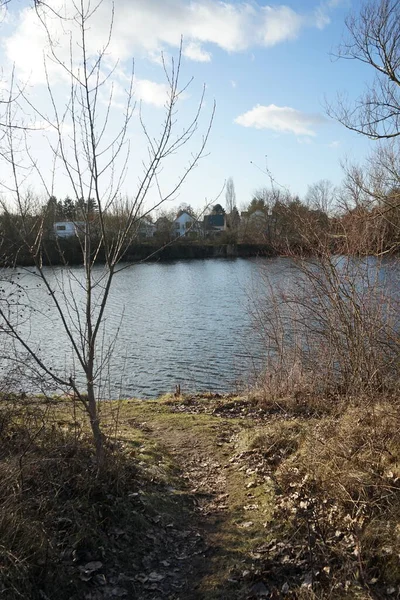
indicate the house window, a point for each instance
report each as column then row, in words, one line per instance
column 61, row 228
column 177, row 225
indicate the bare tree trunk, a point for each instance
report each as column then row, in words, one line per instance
column 93, row 156
column 98, row 435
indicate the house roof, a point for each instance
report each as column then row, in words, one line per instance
column 214, row 220
column 183, row 212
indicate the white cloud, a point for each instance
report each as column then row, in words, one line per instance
column 51, row 127
column 149, row 26
column 323, row 10
column 233, row 83
column 151, row 92
column 281, row 119
column 195, row 52
column 322, row 18
column 25, row 47
column 279, row 24
column 33, row 64
column 334, row 144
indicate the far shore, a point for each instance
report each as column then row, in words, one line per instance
column 69, row 252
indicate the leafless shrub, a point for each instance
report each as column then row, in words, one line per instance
column 331, row 327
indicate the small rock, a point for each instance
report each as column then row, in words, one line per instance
column 118, row 592
column 251, row 507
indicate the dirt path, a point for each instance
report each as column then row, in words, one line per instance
column 205, row 498
column 230, row 507
column 248, row 522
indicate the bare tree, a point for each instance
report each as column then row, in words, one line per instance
column 321, row 196
column 369, row 202
column 374, row 39
column 230, row 196
column 94, row 156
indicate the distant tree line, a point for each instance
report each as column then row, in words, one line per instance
column 349, row 219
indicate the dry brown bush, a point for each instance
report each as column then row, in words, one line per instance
column 330, row 327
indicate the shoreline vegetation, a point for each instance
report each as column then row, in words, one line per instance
column 69, row 252
column 202, row 497
column 291, row 227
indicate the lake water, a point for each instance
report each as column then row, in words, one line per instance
column 186, row 323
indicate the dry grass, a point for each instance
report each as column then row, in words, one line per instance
column 57, row 513
column 332, row 449
column 328, row 470
column 337, row 485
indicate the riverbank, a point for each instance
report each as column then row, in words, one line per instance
column 69, row 251
column 202, row 497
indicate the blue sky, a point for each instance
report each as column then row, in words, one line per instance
column 268, row 66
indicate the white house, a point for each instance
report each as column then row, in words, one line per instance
column 182, row 223
column 146, row 228
column 64, row 229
